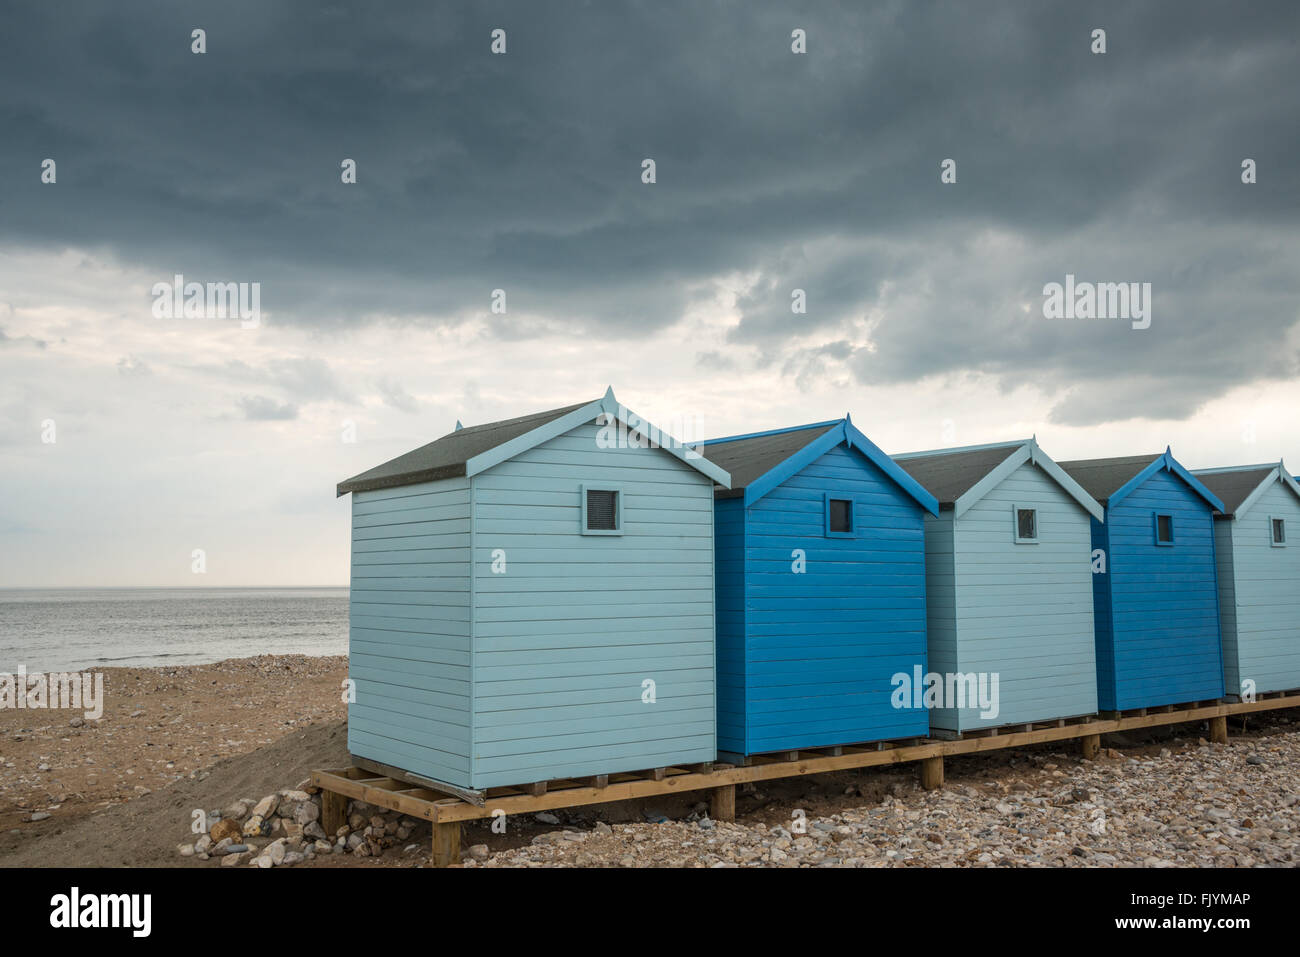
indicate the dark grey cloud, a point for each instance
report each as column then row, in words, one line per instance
column 818, row 172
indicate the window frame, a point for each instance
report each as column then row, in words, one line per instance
column 1155, row 529
column 617, row 489
column 1016, row 509
column 1272, row 540
column 827, row 498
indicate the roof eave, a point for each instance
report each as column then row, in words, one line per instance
column 397, row 481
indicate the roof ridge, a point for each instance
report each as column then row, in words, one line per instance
column 957, row 450
column 760, row 435
column 517, row 418
column 1223, row 469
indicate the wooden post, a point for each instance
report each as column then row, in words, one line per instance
column 1219, row 730
column 446, row 844
column 1090, row 745
column 722, row 803
column 932, row 773
column 333, row 812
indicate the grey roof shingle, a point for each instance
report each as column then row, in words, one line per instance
column 950, row 475
column 1234, row 487
column 446, row 457
column 747, row 459
column 1102, row 478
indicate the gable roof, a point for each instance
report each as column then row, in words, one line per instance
column 749, row 457
column 468, row 451
column 760, row 461
column 1241, row 486
column 960, row 477
column 1110, row 480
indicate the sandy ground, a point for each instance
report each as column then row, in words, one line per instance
column 121, row 792
column 164, row 734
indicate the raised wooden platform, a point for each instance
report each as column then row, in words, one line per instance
column 446, row 812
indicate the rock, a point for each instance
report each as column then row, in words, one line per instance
column 263, row 862
column 237, row 811
column 267, row 806
column 230, row 860
column 294, row 857
column 546, row 817
column 256, row 827
column 314, row 831
column 296, row 796
column 276, row 852
column 39, row 816
column 203, row 844
column 306, row 813
column 185, row 850
column 479, row 852
column 1254, row 759
column 77, row 722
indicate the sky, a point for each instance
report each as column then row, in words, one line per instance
column 130, row 439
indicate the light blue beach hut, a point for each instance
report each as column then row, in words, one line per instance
column 821, row 590
column 532, row 599
column 1157, row 600
column 1257, row 547
column 1008, row 587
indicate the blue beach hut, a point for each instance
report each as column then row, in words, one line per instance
column 820, row 590
column 532, row 599
column 1009, row 587
column 1257, row 546
column 1156, row 591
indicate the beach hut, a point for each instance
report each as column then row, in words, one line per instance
column 821, row 590
column 533, row 599
column 1008, row 587
column 1157, row 602
column 1257, row 546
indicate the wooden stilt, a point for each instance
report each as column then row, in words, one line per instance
column 333, row 812
column 1219, row 730
column 1090, row 746
column 932, row 773
column 722, row 803
column 446, row 844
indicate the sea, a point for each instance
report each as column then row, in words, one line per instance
column 66, row 629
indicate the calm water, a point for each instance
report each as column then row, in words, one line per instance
column 71, row 629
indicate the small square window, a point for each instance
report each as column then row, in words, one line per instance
column 602, row 511
column 1026, row 525
column 839, row 516
column 1278, row 526
column 1164, row 529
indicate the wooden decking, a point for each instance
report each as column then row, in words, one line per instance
column 396, row 791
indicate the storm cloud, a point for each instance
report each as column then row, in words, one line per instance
column 776, row 172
